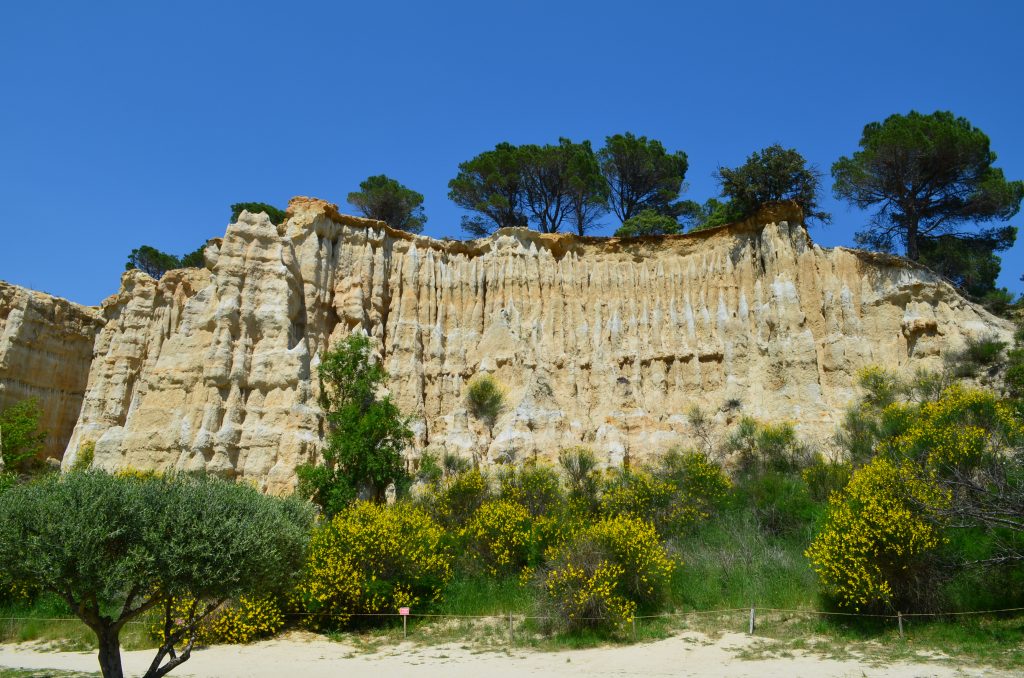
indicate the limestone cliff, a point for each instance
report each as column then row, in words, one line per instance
column 604, row 342
column 45, row 351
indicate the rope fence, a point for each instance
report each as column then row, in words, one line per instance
column 513, row 617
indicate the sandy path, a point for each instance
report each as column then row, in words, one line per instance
column 688, row 654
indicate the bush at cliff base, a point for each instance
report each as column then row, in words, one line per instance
column 497, row 539
column 371, row 559
column 243, row 621
column 873, row 552
column 686, row 489
column 604, row 574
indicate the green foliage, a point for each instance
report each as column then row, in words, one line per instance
column 497, row 538
column 155, row 263
column 20, row 436
column 984, row 351
column 84, row 456
column 762, row 447
column 114, row 547
column 580, row 468
column 534, row 486
column 714, row 212
column 459, row 497
column 648, row 222
column 928, row 175
column 771, row 175
column 371, row 559
column 491, row 185
column 367, row 434
column 970, row 261
column 698, row 481
column 561, row 182
column 485, row 399
column 276, row 215
column 1014, row 375
column 780, row 503
column 429, row 469
column 381, row 197
column 641, row 175
column 607, row 572
column 825, row 476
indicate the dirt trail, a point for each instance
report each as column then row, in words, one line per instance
column 307, row 656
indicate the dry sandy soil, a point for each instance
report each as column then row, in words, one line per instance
column 307, row 656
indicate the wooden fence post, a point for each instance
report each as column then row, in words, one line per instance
column 899, row 619
column 751, row 620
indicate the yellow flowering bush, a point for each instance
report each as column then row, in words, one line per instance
column 498, row 536
column 958, row 431
column 877, row 535
column 606, row 572
column 459, row 496
column 535, row 486
column 239, row 622
column 370, row 559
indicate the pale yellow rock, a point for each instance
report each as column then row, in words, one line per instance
column 601, row 342
column 45, row 350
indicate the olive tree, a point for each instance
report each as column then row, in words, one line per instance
column 115, row 547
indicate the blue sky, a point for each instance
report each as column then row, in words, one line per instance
column 139, row 122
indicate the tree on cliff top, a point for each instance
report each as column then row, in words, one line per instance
column 277, row 216
column 648, row 222
column 641, row 175
column 367, row 434
column 770, row 175
column 116, row 547
column 383, row 198
column 491, row 184
column 928, row 175
column 155, row 263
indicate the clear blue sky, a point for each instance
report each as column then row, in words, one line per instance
column 135, row 123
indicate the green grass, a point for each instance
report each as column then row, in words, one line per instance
column 730, row 563
column 49, row 620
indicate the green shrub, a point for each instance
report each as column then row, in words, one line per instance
column 605, row 573
column 984, row 351
column 534, row 486
column 84, row 457
column 780, row 503
column 372, row 558
column 759, row 447
column 698, row 481
column 579, row 465
column 429, row 469
column 459, row 497
column 825, row 476
column 497, row 539
column 485, row 399
column 20, row 435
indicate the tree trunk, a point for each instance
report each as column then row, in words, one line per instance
column 913, row 251
column 110, row 653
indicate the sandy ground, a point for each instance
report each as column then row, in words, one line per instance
column 307, row 656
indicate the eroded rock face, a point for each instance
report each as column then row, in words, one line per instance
column 45, row 351
column 603, row 342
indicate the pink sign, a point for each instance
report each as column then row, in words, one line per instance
column 404, row 611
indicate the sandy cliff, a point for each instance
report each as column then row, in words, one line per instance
column 45, row 351
column 604, row 342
